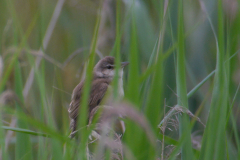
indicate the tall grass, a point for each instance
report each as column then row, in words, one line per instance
column 184, row 127
column 183, row 73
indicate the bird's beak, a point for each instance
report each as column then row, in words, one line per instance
column 123, row 64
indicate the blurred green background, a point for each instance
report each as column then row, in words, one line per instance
column 24, row 29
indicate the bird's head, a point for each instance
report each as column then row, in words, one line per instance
column 105, row 68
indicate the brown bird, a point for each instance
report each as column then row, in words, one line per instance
column 103, row 74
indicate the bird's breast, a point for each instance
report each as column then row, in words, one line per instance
column 120, row 85
column 120, row 88
column 110, row 94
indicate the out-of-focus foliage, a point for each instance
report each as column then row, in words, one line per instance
column 45, row 46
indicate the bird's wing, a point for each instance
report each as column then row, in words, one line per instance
column 97, row 93
column 74, row 105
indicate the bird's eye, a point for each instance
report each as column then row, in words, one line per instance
column 109, row 67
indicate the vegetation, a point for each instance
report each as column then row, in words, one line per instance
column 181, row 86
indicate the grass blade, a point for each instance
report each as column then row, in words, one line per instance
column 184, row 124
column 213, row 145
column 22, row 151
column 82, row 120
column 26, row 131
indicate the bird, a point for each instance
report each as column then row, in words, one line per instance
column 103, row 74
